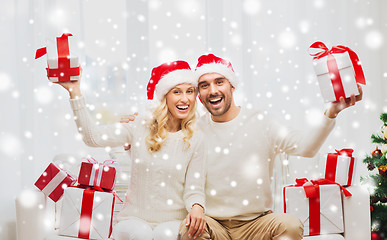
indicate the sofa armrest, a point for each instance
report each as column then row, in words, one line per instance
column 357, row 221
column 33, row 221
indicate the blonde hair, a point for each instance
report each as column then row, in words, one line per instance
column 158, row 126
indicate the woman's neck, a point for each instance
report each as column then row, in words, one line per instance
column 173, row 124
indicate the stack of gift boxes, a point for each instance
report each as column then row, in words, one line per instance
column 88, row 203
column 318, row 203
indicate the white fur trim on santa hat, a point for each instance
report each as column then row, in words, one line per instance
column 170, row 80
column 217, row 68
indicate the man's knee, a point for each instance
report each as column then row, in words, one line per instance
column 290, row 227
column 183, row 233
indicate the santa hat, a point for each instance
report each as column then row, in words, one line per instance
column 168, row 75
column 213, row 64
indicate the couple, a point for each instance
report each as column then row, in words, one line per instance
column 210, row 180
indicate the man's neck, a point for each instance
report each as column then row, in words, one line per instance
column 232, row 113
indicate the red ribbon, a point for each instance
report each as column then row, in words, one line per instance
column 99, row 189
column 87, row 210
column 332, row 65
column 64, row 71
column 86, row 213
column 330, row 171
column 108, row 163
column 312, row 192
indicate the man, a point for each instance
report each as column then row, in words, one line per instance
column 242, row 147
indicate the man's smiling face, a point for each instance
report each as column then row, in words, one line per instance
column 216, row 93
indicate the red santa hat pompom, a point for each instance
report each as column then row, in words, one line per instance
column 213, row 64
column 168, row 75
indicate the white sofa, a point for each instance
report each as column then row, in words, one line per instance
column 38, row 219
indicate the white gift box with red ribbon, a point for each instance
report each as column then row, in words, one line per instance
column 338, row 71
column 86, row 213
column 339, row 166
column 62, row 65
column 317, row 204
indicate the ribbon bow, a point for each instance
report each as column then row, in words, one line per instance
column 325, row 51
column 345, row 151
column 109, row 163
column 311, row 187
column 43, row 51
column 97, row 188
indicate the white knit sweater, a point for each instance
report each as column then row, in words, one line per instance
column 241, row 155
column 163, row 186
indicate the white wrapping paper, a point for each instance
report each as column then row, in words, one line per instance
column 331, row 212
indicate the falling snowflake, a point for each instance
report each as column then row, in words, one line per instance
column 287, row 39
column 251, row 7
column 374, row 39
column 5, row 81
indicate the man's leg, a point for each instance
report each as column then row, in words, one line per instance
column 276, row 226
column 213, row 231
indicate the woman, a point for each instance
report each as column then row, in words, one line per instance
column 168, row 157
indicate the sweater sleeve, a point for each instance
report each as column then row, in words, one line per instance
column 306, row 142
column 196, row 175
column 111, row 135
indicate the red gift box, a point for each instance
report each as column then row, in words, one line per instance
column 97, row 174
column 61, row 67
column 53, row 181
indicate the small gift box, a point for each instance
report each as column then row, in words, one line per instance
column 62, row 66
column 338, row 71
column 93, row 173
column 317, row 204
column 53, row 181
column 339, row 166
column 86, row 213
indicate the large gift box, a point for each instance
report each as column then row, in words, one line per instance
column 86, row 213
column 339, row 166
column 53, row 181
column 317, row 204
column 62, row 66
column 97, row 174
column 338, row 71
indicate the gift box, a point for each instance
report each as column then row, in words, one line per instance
column 86, row 213
column 62, row 66
column 338, row 71
column 339, row 166
column 317, row 204
column 97, row 174
column 53, row 181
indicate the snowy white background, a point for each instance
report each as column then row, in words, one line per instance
column 120, row 41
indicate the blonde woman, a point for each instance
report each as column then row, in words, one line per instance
column 168, row 157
